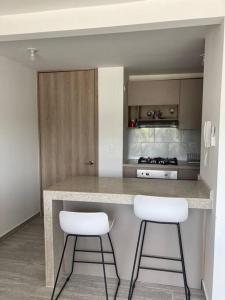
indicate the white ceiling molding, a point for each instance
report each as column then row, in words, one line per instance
column 137, row 15
column 26, row 6
column 165, row 76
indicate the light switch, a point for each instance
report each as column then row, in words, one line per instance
column 213, row 136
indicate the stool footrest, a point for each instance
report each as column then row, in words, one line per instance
column 93, row 262
column 161, row 257
column 161, row 270
column 93, row 251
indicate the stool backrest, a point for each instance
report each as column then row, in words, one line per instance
column 161, row 209
column 84, row 223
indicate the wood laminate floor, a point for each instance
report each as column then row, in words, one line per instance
column 22, row 274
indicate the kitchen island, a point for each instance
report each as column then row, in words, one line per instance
column 108, row 190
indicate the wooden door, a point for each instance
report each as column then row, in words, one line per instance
column 68, row 125
column 190, row 108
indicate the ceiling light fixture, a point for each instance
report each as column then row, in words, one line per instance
column 32, row 53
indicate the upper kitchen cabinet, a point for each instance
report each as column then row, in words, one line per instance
column 190, row 108
column 154, row 92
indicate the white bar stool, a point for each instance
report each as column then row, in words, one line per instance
column 160, row 210
column 76, row 225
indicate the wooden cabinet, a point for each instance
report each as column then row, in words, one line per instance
column 155, row 92
column 186, row 172
column 190, row 108
column 185, row 94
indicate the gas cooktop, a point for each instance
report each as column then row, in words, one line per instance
column 158, row 160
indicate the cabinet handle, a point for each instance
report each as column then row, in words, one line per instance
column 90, row 162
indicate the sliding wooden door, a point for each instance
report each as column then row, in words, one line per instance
column 68, row 125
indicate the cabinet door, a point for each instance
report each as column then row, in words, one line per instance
column 190, row 112
column 155, row 92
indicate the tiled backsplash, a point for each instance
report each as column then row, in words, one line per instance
column 165, row 142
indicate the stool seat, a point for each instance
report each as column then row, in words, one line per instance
column 78, row 223
column 161, row 209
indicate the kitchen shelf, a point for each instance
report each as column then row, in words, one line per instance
column 140, row 113
column 156, row 120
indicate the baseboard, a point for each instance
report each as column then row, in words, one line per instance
column 18, row 227
column 205, row 290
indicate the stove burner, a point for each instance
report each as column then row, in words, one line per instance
column 158, row 161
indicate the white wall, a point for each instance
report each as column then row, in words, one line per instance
column 218, row 291
column 110, row 116
column 19, row 163
column 213, row 110
column 219, row 249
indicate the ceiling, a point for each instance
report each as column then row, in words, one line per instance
column 147, row 52
column 28, row 6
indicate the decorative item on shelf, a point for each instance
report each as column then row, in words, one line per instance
column 154, row 114
column 158, row 115
column 132, row 124
column 150, row 113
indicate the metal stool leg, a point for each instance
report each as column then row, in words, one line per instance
column 72, row 267
column 139, row 261
column 114, row 259
column 135, row 259
column 187, row 290
column 60, row 265
column 103, row 265
column 73, row 258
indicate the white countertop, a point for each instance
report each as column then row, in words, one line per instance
column 122, row 190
